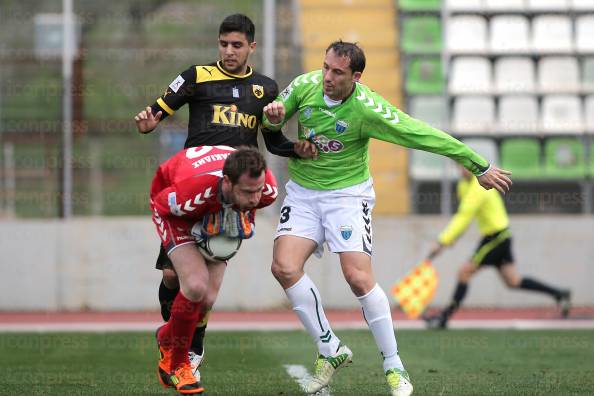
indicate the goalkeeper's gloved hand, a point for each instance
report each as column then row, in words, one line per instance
column 212, row 224
column 237, row 224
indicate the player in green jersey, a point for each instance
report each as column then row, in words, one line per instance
column 330, row 199
column 493, row 250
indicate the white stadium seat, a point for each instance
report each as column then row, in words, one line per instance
column 552, row 34
column 589, row 111
column 558, row 75
column 588, row 75
column 426, row 166
column 467, row 34
column 548, row 5
column 505, row 5
column 431, row 109
column 514, row 74
column 584, row 30
column 562, row 114
column 582, row 5
column 473, row 115
column 465, row 5
column 509, row 34
column 470, row 75
column 485, row 147
column 517, row 114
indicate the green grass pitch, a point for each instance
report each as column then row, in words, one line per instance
column 474, row 362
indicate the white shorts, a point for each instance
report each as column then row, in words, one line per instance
column 341, row 218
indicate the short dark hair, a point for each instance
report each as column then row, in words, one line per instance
column 352, row 51
column 244, row 160
column 239, row 23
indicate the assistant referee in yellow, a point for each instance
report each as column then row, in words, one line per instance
column 494, row 249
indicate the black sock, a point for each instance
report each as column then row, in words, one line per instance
column 166, row 297
column 459, row 294
column 198, row 340
column 531, row 284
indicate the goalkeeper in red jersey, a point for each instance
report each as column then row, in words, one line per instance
column 201, row 192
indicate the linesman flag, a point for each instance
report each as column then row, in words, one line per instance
column 415, row 291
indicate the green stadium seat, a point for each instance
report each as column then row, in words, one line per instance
column 421, row 34
column 425, row 76
column 419, row 5
column 592, row 160
column 522, row 156
column 564, row 158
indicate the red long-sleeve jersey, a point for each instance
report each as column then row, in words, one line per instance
column 187, row 186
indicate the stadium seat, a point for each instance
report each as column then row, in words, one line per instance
column 558, row 75
column 470, row 75
column 514, row 74
column 552, row 34
column 426, row 166
column 425, row 76
column 548, row 5
column 584, row 39
column 592, row 159
column 467, row 34
column 421, row 35
column 589, row 112
column 465, row 5
column 517, row 115
column 431, row 109
column 473, row 115
column 588, row 75
column 522, row 156
column 582, row 5
column 509, row 34
column 485, row 147
column 419, row 5
column 564, row 158
column 505, row 5
column 562, row 114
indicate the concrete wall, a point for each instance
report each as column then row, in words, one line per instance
column 107, row 263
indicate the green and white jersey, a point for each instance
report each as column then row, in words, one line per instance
column 342, row 134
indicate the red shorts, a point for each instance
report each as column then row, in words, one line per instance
column 173, row 231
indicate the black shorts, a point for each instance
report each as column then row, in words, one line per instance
column 163, row 260
column 494, row 249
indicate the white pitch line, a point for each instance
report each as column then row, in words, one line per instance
column 300, row 374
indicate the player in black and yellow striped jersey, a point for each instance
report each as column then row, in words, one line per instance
column 225, row 101
column 494, row 249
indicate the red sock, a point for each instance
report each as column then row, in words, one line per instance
column 177, row 333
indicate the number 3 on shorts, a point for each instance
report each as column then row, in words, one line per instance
column 285, row 213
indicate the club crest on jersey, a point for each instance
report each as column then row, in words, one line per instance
column 341, row 126
column 258, row 91
column 229, row 116
column 346, row 232
column 307, row 112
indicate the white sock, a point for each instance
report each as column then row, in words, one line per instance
column 305, row 297
column 376, row 310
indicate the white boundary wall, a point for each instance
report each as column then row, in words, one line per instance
column 108, row 263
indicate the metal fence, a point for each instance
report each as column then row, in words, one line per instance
column 127, row 52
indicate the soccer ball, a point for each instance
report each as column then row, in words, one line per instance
column 219, row 247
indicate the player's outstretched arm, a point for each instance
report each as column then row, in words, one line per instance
column 495, row 178
column 146, row 121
